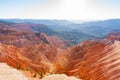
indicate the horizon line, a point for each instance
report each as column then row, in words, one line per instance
column 61, row 19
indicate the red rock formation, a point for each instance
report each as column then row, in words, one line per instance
column 71, row 59
column 25, row 48
column 97, row 59
column 54, row 40
column 91, row 60
column 10, row 55
column 36, row 58
column 114, row 35
column 16, row 38
column 21, row 35
column 101, row 62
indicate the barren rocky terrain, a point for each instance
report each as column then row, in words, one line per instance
column 38, row 54
column 9, row 73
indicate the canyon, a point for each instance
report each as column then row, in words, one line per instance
column 28, row 47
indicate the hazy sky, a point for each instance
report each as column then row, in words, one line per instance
column 60, row 9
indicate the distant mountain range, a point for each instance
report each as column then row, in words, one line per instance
column 69, row 30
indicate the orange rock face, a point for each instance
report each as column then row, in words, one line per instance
column 115, row 35
column 37, row 58
column 10, row 55
column 26, row 50
column 74, row 56
column 54, row 40
column 93, row 61
column 10, row 36
column 101, row 62
column 97, row 59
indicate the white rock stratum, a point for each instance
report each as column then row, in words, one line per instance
column 9, row 73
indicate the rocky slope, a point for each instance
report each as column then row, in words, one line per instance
column 36, row 58
column 74, row 56
column 22, row 35
column 18, row 39
column 8, row 73
column 59, row 77
column 101, row 62
column 96, row 59
column 25, row 49
column 114, row 35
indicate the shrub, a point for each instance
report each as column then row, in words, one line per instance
column 41, row 75
column 26, row 69
column 35, row 75
column 18, row 66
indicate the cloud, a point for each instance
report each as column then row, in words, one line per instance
column 62, row 9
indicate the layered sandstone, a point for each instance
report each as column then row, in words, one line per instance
column 91, row 60
column 97, row 59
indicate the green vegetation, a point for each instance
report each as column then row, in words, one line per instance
column 51, row 73
column 26, row 69
column 41, row 74
column 18, row 66
column 35, row 75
